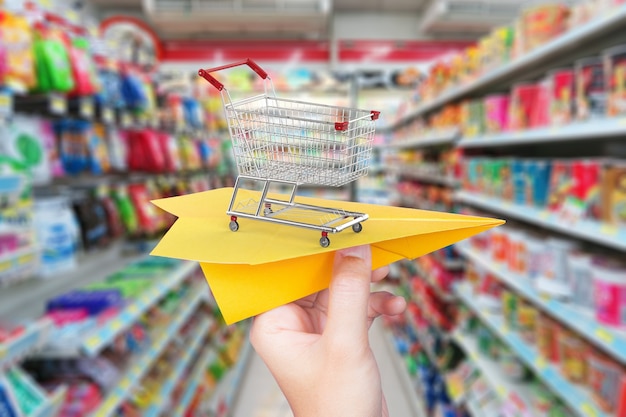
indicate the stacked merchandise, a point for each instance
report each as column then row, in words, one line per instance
column 75, row 123
column 87, row 141
column 122, row 346
column 539, row 308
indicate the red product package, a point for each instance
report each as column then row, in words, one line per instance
column 146, row 212
column 144, row 151
column 82, row 68
column 561, row 96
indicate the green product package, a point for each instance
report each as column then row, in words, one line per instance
column 54, row 72
column 129, row 288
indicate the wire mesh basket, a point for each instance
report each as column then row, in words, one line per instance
column 294, row 143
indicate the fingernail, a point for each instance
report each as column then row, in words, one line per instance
column 361, row 252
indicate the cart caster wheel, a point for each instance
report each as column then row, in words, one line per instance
column 357, row 227
column 267, row 211
column 324, row 242
column 233, row 225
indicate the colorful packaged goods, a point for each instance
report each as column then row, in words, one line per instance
column 542, row 23
column 54, row 70
column 83, row 69
column 527, row 321
column 615, row 72
column 496, row 113
column 573, row 356
column 555, row 278
column 524, row 106
column 609, row 282
column 19, row 61
column 581, row 279
column 547, row 338
column 614, row 195
column 591, row 94
column 473, row 118
column 538, row 172
column 561, row 93
column 605, row 381
column 584, row 201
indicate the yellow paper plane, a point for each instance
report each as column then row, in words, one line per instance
column 265, row 265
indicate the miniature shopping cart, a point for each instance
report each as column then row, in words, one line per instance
column 292, row 143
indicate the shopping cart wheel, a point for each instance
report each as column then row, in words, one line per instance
column 324, row 241
column 233, row 225
column 357, row 227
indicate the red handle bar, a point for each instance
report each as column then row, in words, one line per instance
column 206, row 73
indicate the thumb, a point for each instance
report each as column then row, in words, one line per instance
column 349, row 296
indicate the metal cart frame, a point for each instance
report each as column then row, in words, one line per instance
column 292, row 142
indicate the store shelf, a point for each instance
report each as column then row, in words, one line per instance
column 143, row 364
column 173, row 380
column 419, row 174
column 577, row 398
column 590, row 230
column 399, row 365
column 508, row 391
column 194, row 381
column 228, row 389
column 431, row 139
column 49, row 404
column 105, row 333
column 53, row 404
column 30, row 340
column 590, row 131
column 607, row 338
column 443, row 295
column 539, row 59
column 25, row 301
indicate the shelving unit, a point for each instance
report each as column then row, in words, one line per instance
column 142, row 365
column 610, row 339
column 594, row 130
column 421, row 175
column 564, row 48
column 227, row 390
column 589, row 230
column 26, row 300
column 445, row 296
column 51, row 403
column 30, row 340
column 573, row 395
column 431, row 139
column 104, row 334
column 208, row 356
column 517, row 393
column 157, row 409
column 416, row 405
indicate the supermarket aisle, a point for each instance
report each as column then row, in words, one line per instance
column 261, row 397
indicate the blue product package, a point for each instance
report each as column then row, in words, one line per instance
column 94, row 302
column 7, row 409
column 73, row 149
column 205, row 151
column 540, row 181
column 193, row 112
column 133, row 92
column 111, row 93
column 518, row 172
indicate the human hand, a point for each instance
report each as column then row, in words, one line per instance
column 317, row 348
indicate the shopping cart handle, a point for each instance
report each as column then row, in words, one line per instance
column 206, row 73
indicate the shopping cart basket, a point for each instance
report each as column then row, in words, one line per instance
column 293, row 143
